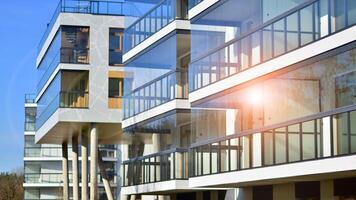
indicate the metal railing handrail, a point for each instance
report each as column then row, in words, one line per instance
column 154, row 80
column 165, row 152
column 146, row 14
column 254, row 30
column 276, row 126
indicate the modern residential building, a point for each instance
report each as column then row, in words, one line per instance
column 268, row 108
column 43, row 163
column 78, row 101
column 208, row 99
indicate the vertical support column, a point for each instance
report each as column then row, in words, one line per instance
column 93, row 161
column 105, row 178
column 84, row 167
column 65, row 171
column 75, row 168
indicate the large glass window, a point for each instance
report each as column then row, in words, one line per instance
column 75, row 45
column 30, row 118
column 213, row 28
column 313, row 88
column 115, row 46
column 116, row 86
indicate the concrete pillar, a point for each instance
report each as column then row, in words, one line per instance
column 327, row 189
column 75, row 168
column 104, row 177
column 84, row 167
column 284, row 191
column 65, row 171
column 93, row 162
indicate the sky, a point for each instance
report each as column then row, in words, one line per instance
column 22, row 24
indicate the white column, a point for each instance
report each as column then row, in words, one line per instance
column 104, row 177
column 93, row 162
column 75, row 168
column 84, row 167
column 65, row 171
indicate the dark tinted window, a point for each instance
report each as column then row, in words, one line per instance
column 116, row 87
column 262, row 192
column 115, row 46
column 309, row 190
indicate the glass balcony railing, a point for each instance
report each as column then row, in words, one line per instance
column 30, row 126
column 44, row 178
column 43, row 152
column 30, row 98
column 193, row 3
column 162, row 166
column 318, row 136
column 65, row 99
column 153, row 21
column 106, row 152
column 170, row 86
column 97, row 7
column 285, row 33
column 58, row 178
column 63, row 55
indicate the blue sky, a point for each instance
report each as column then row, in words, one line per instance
column 22, row 23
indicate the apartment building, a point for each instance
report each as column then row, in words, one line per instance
column 247, row 100
column 78, row 103
column 43, row 163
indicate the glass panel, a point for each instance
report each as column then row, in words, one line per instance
column 245, row 152
column 267, row 43
column 206, row 159
column 353, row 131
column 268, row 140
column 234, row 151
column 280, row 142
column 214, row 157
column 224, row 156
column 308, row 131
column 293, row 143
column 279, row 37
column 306, row 25
column 340, row 136
column 339, row 14
column 351, row 5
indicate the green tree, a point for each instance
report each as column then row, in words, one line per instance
column 11, row 186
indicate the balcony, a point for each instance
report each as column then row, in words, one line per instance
column 163, row 166
column 45, row 178
column 57, row 178
column 63, row 55
column 108, row 152
column 43, row 152
column 89, row 7
column 193, row 3
column 65, row 99
column 170, row 86
column 30, row 98
column 319, row 137
column 153, row 21
column 288, row 32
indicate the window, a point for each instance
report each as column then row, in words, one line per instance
column 264, row 192
column 116, row 87
column 115, row 46
column 344, row 189
column 309, row 190
column 75, row 45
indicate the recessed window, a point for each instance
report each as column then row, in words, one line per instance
column 309, row 190
column 115, row 46
column 116, row 87
column 264, row 192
